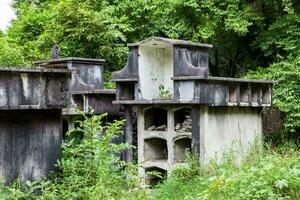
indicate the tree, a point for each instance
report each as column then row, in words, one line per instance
column 247, row 35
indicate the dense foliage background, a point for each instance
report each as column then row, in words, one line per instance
column 252, row 38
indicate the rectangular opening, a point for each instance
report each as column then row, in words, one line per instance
column 126, row 90
column 266, row 95
column 244, row 92
column 232, row 93
column 155, row 149
column 182, row 145
column 183, row 120
column 78, row 100
column 155, row 69
column 255, row 91
column 156, row 119
column 152, row 179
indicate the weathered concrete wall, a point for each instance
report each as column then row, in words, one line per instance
column 157, row 148
column 30, row 120
column 232, row 130
column 271, row 120
column 220, row 91
column 34, row 89
column 155, row 68
column 215, row 130
column 223, row 112
column 29, row 143
column 87, row 76
column 99, row 100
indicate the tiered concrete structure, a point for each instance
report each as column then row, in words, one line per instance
column 31, row 102
column 87, row 88
column 193, row 111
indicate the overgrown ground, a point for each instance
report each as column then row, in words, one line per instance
column 91, row 169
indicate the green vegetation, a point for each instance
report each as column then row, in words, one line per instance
column 164, row 93
column 273, row 175
column 91, row 169
column 247, row 36
column 286, row 95
column 252, row 39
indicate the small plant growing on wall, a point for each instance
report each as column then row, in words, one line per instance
column 164, row 93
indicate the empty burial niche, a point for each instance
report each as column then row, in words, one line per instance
column 155, row 149
column 244, row 92
column 182, row 145
column 255, row 94
column 155, row 175
column 156, row 119
column 266, row 99
column 65, row 128
column 232, row 93
column 183, row 120
column 78, row 100
column 126, row 91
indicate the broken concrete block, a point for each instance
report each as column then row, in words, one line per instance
column 151, row 128
column 161, row 128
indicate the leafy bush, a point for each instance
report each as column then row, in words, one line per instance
column 90, row 168
column 275, row 175
column 286, row 93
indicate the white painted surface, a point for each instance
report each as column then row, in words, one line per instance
column 230, row 130
column 155, row 68
column 222, row 129
column 3, row 95
column 25, row 85
column 186, row 90
column 170, row 135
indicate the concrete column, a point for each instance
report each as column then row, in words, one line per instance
column 195, row 129
column 128, row 132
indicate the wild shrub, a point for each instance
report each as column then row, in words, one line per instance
column 90, row 168
column 273, row 175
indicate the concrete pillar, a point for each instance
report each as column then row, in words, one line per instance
column 128, row 132
column 195, row 130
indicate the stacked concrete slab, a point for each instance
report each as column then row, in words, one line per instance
column 87, row 88
column 37, row 107
column 31, row 102
column 180, row 107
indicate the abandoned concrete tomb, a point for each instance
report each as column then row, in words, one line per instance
column 179, row 107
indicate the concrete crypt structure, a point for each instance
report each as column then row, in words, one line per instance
column 30, row 120
column 37, row 108
column 179, row 106
column 87, row 89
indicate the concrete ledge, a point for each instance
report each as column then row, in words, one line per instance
column 34, row 88
column 62, row 61
column 172, row 102
column 32, row 70
column 101, row 91
column 219, row 79
column 133, row 79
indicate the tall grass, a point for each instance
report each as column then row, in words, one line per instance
column 91, row 169
column 275, row 174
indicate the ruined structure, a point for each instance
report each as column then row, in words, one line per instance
column 87, row 88
column 179, row 106
column 31, row 102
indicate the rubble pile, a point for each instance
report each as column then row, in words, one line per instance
column 185, row 126
column 157, row 128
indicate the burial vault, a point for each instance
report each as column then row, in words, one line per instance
column 31, row 102
column 87, row 89
column 180, row 106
